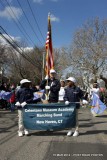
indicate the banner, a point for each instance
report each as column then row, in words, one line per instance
column 49, row 116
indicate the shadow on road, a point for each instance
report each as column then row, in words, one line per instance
column 94, row 132
column 48, row 133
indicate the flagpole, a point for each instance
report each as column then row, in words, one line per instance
column 43, row 65
column 47, row 92
column 49, row 56
column 48, row 52
column 48, row 64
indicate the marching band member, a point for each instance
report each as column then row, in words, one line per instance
column 95, row 89
column 73, row 94
column 23, row 96
column 62, row 91
column 52, row 85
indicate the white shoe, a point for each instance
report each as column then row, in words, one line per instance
column 76, row 133
column 26, row 132
column 20, row 134
column 69, row 133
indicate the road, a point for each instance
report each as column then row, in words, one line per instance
column 91, row 144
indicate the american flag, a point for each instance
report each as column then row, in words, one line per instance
column 49, row 50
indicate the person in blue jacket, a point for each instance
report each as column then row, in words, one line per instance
column 23, row 96
column 73, row 94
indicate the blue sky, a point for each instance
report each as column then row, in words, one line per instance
column 67, row 17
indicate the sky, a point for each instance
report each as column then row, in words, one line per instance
column 66, row 17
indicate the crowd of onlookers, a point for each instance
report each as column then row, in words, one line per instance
column 8, row 88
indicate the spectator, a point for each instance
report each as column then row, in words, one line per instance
column 12, row 99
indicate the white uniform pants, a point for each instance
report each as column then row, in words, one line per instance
column 77, row 122
column 20, row 122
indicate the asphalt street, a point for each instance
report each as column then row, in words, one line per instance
column 91, row 144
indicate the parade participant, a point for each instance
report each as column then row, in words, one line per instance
column 62, row 91
column 97, row 106
column 99, row 91
column 97, row 97
column 23, row 96
column 52, row 85
column 73, row 94
column 95, row 89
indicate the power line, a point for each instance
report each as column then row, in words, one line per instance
column 19, row 21
column 22, row 31
column 29, row 21
column 16, row 50
column 16, row 46
column 35, row 19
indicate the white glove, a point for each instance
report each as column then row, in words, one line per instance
column 67, row 102
column 46, row 77
column 84, row 101
column 17, row 104
column 47, row 87
column 23, row 104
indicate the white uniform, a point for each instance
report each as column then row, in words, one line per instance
column 96, row 91
column 61, row 94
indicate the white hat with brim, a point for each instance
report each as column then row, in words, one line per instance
column 52, row 71
column 72, row 79
column 24, row 81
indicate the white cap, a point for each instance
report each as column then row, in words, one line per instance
column 24, row 81
column 71, row 79
column 52, row 71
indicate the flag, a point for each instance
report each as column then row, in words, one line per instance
column 38, row 94
column 98, row 106
column 6, row 95
column 49, row 51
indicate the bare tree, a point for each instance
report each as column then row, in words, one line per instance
column 4, row 61
column 61, row 59
column 89, row 49
column 26, row 65
column 3, row 55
